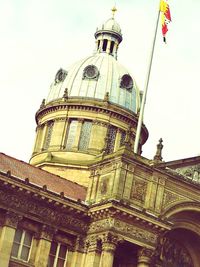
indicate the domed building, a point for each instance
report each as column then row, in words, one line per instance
column 86, row 199
column 88, row 111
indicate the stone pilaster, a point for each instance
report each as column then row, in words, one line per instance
column 45, row 238
column 7, row 237
column 144, row 257
column 78, row 255
column 93, row 252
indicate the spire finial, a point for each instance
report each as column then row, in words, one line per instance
column 114, row 9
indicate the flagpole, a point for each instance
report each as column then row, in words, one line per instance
column 141, row 112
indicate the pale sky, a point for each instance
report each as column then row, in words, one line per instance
column 40, row 36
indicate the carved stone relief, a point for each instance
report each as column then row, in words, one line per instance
column 125, row 229
column 172, row 254
column 170, row 198
column 192, row 173
column 138, row 190
column 41, row 211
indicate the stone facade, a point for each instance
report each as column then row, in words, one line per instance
column 86, row 200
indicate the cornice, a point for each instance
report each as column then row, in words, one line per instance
column 116, row 209
column 25, row 187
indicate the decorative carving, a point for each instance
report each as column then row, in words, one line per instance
column 93, row 243
column 138, row 191
column 65, row 95
column 12, row 219
column 104, row 185
column 47, row 232
column 192, row 173
column 171, row 253
column 106, row 97
column 170, row 198
column 43, row 213
column 126, row 229
column 145, row 255
column 158, row 155
column 127, row 140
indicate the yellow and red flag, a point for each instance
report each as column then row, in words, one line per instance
column 165, row 17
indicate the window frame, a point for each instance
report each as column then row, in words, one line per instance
column 56, row 256
column 22, row 245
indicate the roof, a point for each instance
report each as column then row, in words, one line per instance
column 109, row 77
column 55, row 183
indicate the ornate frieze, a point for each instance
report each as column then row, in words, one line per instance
column 43, row 212
column 124, row 229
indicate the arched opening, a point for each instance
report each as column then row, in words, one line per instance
column 105, row 45
column 112, row 46
column 180, row 247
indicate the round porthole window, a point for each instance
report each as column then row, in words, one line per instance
column 126, row 82
column 90, row 72
column 60, row 75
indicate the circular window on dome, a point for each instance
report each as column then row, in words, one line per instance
column 60, row 75
column 126, row 82
column 90, row 72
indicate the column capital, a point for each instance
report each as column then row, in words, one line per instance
column 12, row 219
column 80, row 244
column 93, row 243
column 145, row 255
column 110, row 241
column 47, row 232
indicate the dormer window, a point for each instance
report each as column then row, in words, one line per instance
column 126, row 82
column 90, row 72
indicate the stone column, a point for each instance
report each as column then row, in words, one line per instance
column 43, row 249
column 93, row 252
column 144, row 257
column 7, row 237
column 109, row 244
column 108, row 47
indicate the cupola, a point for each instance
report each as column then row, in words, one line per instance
column 108, row 36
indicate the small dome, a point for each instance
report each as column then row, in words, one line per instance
column 110, row 25
column 96, row 77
